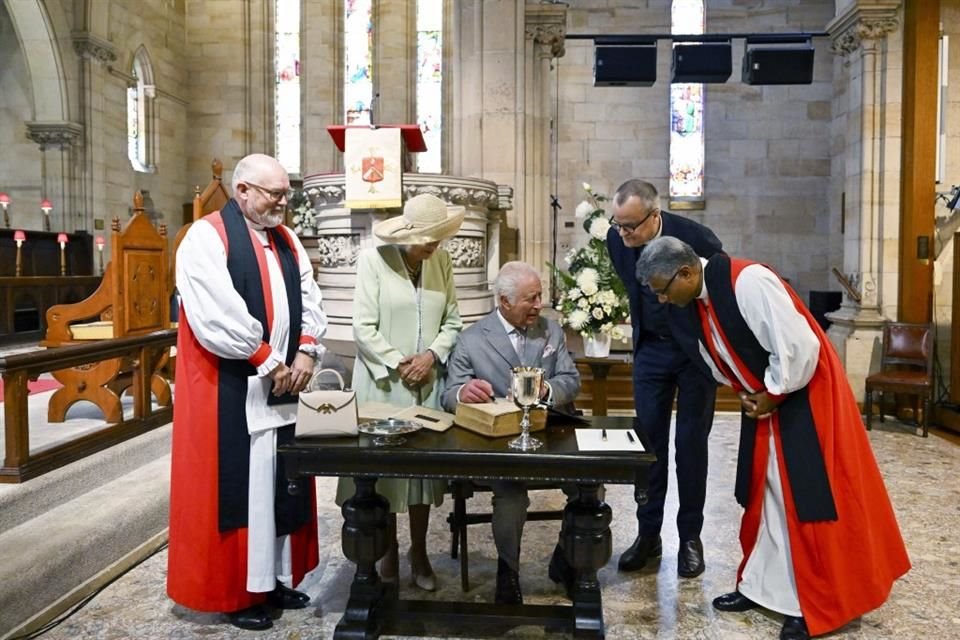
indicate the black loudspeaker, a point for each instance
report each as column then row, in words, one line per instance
column 778, row 64
column 625, row 65
column 823, row 302
column 701, row 62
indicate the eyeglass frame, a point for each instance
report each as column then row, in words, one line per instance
column 630, row 228
column 663, row 290
column 276, row 195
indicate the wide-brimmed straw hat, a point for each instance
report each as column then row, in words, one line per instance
column 425, row 219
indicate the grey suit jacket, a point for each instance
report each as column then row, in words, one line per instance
column 484, row 351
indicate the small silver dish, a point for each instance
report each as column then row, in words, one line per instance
column 389, row 432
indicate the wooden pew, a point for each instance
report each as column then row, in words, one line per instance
column 133, row 299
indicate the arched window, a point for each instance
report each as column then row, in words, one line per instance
column 686, row 118
column 140, row 130
column 287, row 84
column 429, row 82
column 358, row 61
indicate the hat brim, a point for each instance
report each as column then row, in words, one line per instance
column 396, row 230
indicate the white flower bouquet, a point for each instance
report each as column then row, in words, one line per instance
column 592, row 298
column 304, row 215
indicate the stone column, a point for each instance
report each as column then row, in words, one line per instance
column 871, row 182
column 58, row 170
column 544, row 30
column 94, row 54
column 501, row 112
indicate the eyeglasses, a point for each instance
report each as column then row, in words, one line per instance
column 274, row 194
column 630, row 228
column 663, row 291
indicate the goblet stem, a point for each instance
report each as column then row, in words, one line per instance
column 525, row 442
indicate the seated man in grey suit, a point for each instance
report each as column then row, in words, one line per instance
column 478, row 370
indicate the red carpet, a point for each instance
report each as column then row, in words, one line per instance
column 37, row 386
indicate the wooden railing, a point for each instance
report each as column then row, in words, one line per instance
column 144, row 351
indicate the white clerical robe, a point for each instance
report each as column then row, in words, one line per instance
column 768, row 577
column 221, row 323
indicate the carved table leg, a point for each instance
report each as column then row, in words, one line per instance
column 587, row 541
column 364, row 539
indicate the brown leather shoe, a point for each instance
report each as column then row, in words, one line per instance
column 253, row 618
column 690, row 561
column 561, row 572
column 734, row 601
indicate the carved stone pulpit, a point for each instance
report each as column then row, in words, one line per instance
column 340, row 234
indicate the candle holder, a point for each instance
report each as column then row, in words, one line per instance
column 19, row 237
column 5, row 202
column 62, row 239
column 46, row 206
column 100, row 242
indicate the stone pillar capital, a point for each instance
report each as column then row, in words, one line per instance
column 863, row 23
column 54, row 134
column 546, row 25
column 91, row 47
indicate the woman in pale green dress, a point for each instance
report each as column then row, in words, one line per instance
column 405, row 323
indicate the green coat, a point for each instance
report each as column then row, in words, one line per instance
column 391, row 320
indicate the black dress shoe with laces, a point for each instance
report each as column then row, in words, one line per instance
column 635, row 557
column 283, row 597
column 690, row 561
column 508, row 585
column 561, row 572
column 794, row 628
column 734, row 601
column 253, row 618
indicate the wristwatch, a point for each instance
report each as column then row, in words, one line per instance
column 309, row 349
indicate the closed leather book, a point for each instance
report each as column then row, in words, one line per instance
column 498, row 418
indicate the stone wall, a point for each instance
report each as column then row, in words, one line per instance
column 768, row 148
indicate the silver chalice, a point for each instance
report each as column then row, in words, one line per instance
column 525, row 385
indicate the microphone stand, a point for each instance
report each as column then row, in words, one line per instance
column 555, row 212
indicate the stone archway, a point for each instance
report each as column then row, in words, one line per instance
column 34, row 28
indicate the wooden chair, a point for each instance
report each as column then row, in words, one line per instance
column 132, row 299
column 212, row 198
column 459, row 519
column 906, row 367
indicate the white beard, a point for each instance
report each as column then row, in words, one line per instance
column 266, row 220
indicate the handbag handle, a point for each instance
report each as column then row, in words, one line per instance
column 313, row 379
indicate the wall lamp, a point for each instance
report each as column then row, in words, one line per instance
column 768, row 59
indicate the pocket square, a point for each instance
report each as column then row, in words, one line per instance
column 549, row 351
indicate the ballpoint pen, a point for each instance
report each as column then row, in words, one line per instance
column 603, row 435
column 629, row 436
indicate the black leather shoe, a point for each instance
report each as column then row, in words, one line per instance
column 734, row 601
column 561, row 572
column 635, row 557
column 253, row 618
column 794, row 628
column 690, row 561
column 508, row 585
column 283, row 597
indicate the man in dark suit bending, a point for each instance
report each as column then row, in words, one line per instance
column 666, row 364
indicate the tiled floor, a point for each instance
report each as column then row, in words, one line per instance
column 922, row 479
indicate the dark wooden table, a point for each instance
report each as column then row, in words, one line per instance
column 374, row 608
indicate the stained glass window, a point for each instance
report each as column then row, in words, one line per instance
column 139, row 95
column 358, row 56
column 686, row 114
column 287, row 84
column 429, row 85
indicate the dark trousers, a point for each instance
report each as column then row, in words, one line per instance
column 661, row 371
